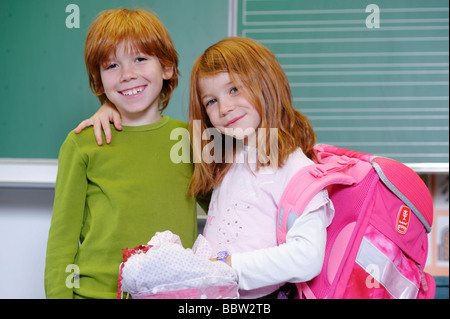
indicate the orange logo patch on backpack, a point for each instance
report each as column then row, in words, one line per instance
column 403, row 218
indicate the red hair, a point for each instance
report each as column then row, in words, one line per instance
column 140, row 31
column 267, row 88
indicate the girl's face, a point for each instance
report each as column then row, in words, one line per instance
column 133, row 83
column 228, row 108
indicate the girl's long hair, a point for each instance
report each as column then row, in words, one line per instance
column 258, row 73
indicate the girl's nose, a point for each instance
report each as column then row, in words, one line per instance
column 225, row 108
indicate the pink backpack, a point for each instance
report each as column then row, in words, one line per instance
column 377, row 244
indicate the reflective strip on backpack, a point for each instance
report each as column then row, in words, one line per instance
column 292, row 217
column 291, row 220
column 280, row 217
column 399, row 194
column 380, row 267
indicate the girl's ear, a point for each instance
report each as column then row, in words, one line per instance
column 167, row 72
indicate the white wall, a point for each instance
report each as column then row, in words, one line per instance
column 25, row 216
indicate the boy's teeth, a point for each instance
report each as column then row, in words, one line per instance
column 132, row 91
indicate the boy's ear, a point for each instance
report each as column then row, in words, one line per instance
column 167, row 72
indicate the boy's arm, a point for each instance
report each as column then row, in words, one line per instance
column 100, row 120
column 67, row 220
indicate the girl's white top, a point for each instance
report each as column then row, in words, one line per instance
column 242, row 220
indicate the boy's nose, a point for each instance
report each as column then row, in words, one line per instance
column 127, row 75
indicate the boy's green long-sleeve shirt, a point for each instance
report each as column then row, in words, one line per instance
column 114, row 197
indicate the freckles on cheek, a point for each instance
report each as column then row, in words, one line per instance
column 210, row 116
column 107, row 82
column 217, row 124
column 103, row 80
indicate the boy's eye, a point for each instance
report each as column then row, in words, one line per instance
column 111, row 66
column 141, row 59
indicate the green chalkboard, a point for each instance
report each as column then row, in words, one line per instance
column 374, row 81
column 44, row 90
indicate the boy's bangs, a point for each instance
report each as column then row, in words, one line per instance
column 133, row 43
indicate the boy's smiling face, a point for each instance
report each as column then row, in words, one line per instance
column 132, row 82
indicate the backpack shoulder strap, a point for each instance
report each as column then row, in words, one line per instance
column 304, row 185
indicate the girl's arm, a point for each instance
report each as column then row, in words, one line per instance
column 100, row 120
column 299, row 260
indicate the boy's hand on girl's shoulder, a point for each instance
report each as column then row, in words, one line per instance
column 100, row 120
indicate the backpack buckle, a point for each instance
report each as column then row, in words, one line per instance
column 318, row 171
column 340, row 164
column 346, row 161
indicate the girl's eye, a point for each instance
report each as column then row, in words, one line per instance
column 210, row 102
column 141, row 59
column 234, row 90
